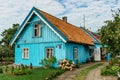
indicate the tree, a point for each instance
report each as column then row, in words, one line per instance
column 110, row 34
column 7, row 34
column 6, row 51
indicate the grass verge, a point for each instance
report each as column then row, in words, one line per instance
column 83, row 73
column 37, row 74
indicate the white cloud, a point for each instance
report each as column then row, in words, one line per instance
column 96, row 11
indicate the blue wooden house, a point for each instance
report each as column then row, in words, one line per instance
column 42, row 35
column 97, row 49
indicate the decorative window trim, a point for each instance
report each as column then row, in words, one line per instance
column 25, row 53
column 49, row 52
column 75, row 53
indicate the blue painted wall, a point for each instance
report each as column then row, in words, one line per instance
column 83, row 52
column 37, row 52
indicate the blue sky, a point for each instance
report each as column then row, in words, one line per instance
column 96, row 11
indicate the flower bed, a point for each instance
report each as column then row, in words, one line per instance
column 66, row 64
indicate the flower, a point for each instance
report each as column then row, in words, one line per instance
column 66, row 64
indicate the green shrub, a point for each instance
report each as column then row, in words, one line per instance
column 54, row 74
column 12, row 69
column 21, row 72
column 1, row 70
column 18, row 72
column 113, row 61
column 11, row 59
column 77, row 64
column 47, row 62
column 110, row 71
column 6, row 69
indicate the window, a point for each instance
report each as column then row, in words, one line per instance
column 49, row 52
column 75, row 53
column 25, row 53
column 37, row 30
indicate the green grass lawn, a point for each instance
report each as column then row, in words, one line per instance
column 37, row 74
column 83, row 73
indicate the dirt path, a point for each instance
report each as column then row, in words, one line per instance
column 95, row 75
column 69, row 75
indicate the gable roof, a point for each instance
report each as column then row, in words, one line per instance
column 92, row 35
column 97, row 36
column 66, row 31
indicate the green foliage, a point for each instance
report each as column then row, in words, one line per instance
column 54, row 74
column 6, row 69
column 16, row 70
column 1, row 70
column 6, row 51
column 77, row 64
column 47, row 62
column 111, row 70
column 8, row 33
column 21, row 71
column 12, row 69
column 37, row 73
column 113, row 61
column 110, row 34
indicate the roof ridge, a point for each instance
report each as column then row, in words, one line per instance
column 57, row 18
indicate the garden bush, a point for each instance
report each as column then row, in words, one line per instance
column 47, row 62
column 54, row 74
column 66, row 64
column 77, row 64
column 111, row 70
column 21, row 72
column 113, row 61
column 1, row 70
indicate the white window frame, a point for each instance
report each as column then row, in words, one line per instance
column 24, row 56
column 49, row 52
column 37, row 30
column 75, row 52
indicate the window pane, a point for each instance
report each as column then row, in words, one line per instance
column 75, row 53
column 47, row 55
column 37, row 30
column 25, row 53
column 49, row 52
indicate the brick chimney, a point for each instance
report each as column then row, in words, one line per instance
column 64, row 19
